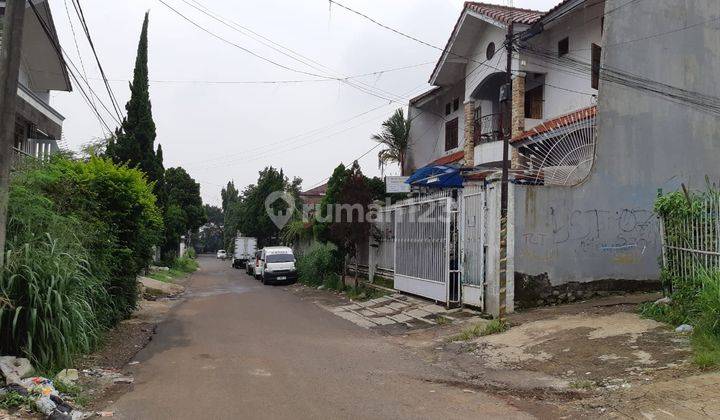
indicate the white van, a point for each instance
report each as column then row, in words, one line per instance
column 277, row 264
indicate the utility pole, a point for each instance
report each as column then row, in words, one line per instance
column 507, row 132
column 12, row 33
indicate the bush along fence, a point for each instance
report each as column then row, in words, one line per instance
column 78, row 233
column 690, row 223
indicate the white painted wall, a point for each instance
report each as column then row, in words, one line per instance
column 583, row 28
column 427, row 129
column 488, row 152
column 475, row 72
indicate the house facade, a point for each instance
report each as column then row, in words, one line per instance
column 605, row 114
column 38, row 126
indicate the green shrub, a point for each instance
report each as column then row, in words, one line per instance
column 695, row 302
column 319, row 265
column 54, row 306
column 185, row 265
column 114, row 202
column 78, row 233
column 190, row 253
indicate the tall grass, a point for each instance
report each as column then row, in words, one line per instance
column 78, row 233
column 50, row 296
column 319, row 265
column 695, row 302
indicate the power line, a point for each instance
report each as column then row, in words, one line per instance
column 77, row 47
column 83, row 23
column 293, row 55
column 398, row 32
column 59, row 52
column 246, row 50
column 253, row 82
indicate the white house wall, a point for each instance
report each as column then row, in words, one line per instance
column 475, row 72
column 566, row 90
column 427, row 129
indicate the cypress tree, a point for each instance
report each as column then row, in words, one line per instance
column 134, row 142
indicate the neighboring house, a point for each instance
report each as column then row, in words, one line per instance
column 313, row 196
column 38, row 126
column 612, row 101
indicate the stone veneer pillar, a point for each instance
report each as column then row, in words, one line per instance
column 469, row 147
column 517, row 123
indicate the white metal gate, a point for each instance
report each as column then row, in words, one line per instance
column 424, row 247
column 472, row 232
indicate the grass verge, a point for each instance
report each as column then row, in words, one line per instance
column 495, row 326
column 696, row 303
column 180, row 267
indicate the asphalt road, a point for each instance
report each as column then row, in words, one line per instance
column 238, row 349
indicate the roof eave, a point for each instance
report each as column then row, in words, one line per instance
column 453, row 36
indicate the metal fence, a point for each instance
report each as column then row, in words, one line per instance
column 382, row 243
column 691, row 242
column 423, row 246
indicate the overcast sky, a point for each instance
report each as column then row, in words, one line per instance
column 229, row 131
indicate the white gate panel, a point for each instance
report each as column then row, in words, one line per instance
column 472, row 214
column 422, row 246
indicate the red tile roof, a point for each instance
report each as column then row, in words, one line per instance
column 561, row 121
column 451, row 158
column 502, row 14
column 319, row 190
column 505, row 14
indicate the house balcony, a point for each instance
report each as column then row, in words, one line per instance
column 489, row 128
column 35, row 148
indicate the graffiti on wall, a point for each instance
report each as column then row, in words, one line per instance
column 624, row 236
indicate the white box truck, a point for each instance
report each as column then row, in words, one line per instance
column 245, row 248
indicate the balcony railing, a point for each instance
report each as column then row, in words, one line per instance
column 489, row 127
column 36, row 148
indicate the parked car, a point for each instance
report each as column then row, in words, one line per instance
column 277, row 264
column 253, row 264
column 221, row 254
column 245, row 248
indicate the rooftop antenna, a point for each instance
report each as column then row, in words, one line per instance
column 510, row 3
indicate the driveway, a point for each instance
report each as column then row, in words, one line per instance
column 238, row 349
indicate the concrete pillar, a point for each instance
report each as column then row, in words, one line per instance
column 469, row 148
column 517, row 121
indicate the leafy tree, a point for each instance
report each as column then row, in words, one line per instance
column 249, row 215
column 184, row 212
column 331, row 197
column 134, row 141
column 230, row 195
column 395, row 136
column 214, row 214
column 350, row 228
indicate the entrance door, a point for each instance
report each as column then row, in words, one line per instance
column 472, row 215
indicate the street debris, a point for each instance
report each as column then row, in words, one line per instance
column 15, row 368
column 684, row 328
column 663, row 301
column 45, row 397
column 68, row 376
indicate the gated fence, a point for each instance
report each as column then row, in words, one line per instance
column 381, row 258
column 425, row 248
column 472, row 233
column 691, row 241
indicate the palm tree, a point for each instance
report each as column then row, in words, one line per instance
column 395, row 135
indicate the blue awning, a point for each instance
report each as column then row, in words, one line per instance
column 437, row 176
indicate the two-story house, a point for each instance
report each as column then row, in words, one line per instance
column 38, row 126
column 609, row 105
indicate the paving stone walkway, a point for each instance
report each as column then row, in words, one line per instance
column 394, row 310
